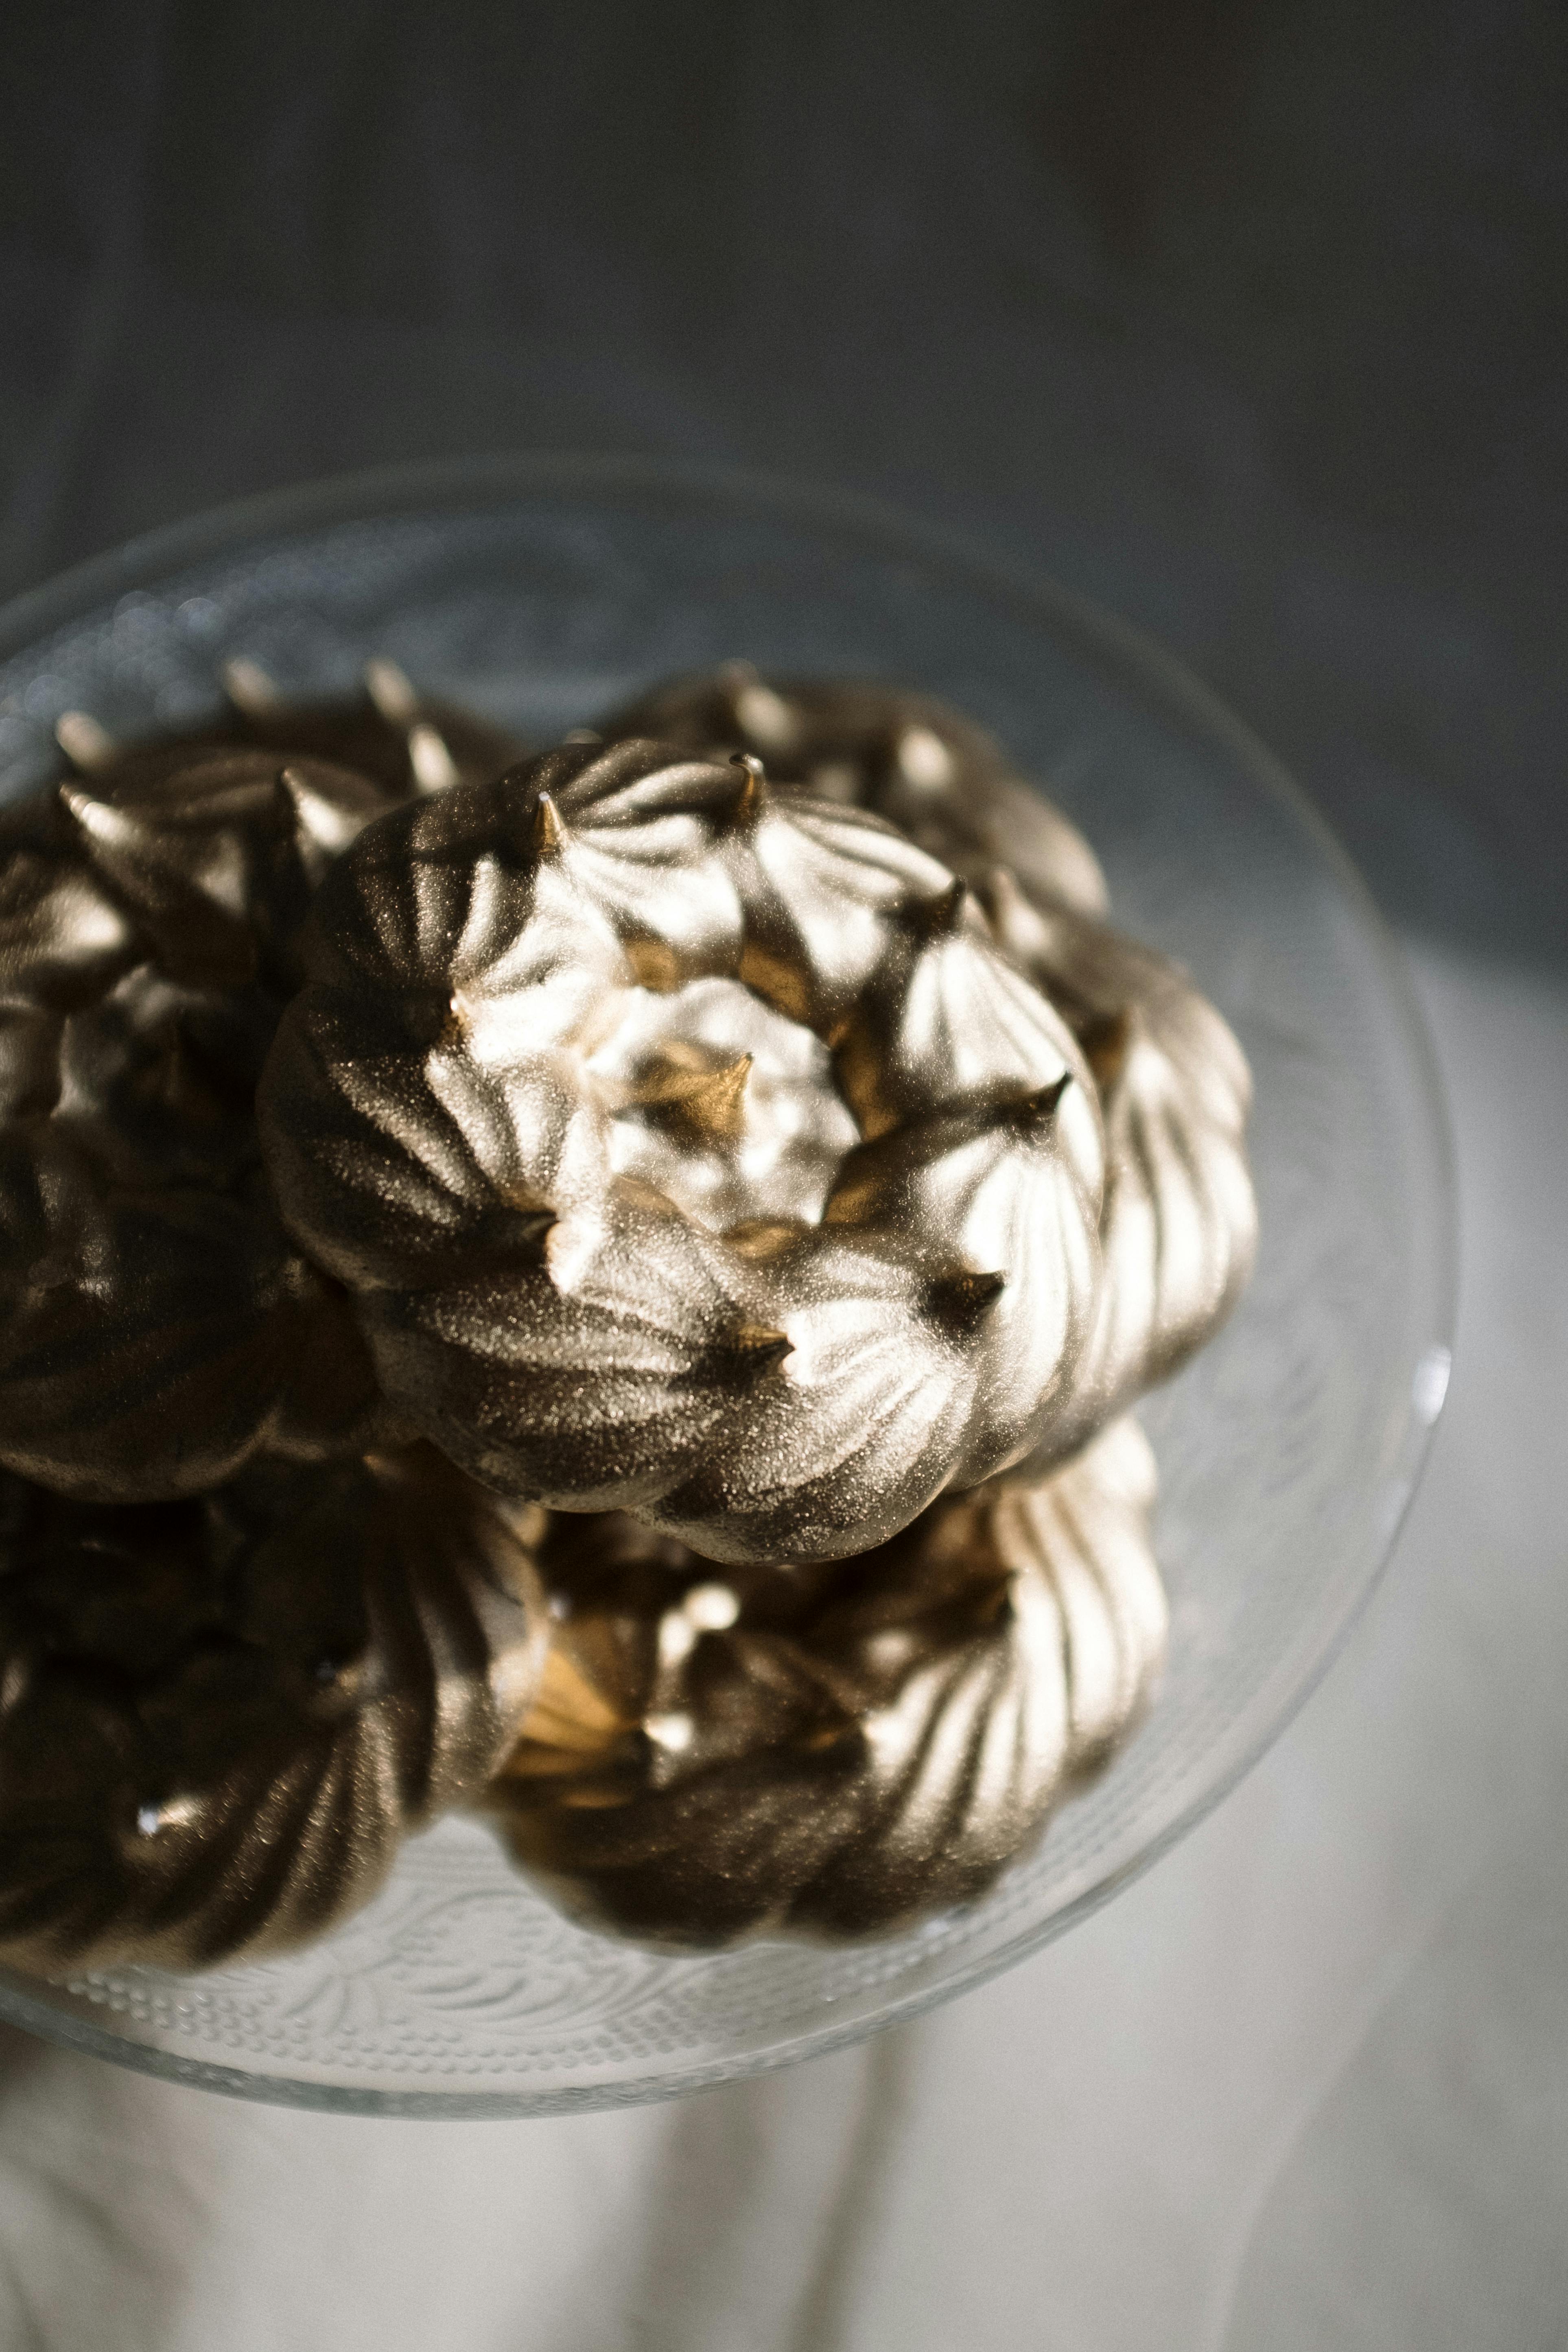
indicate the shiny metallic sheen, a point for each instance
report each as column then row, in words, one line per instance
column 158, row 1328
column 1180, row 1223
column 779, row 1147
column 908, row 757
column 715, row 1754
column 1179, row 1229
column 220, row 1717
column 688, row 1148
column 407, row 743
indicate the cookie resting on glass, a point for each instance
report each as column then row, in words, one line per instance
column 715, row 1754
column 602, row 1289
column 220, row 1717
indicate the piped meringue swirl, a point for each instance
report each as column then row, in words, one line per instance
column 158, row 1328
column 220, row 1717
column 1179, row 1229
column 781, row 1330
column 717, row 1754
column 909, row 757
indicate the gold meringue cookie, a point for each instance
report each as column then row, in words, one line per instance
column 150, row 1346
column 1180, row 1224
column 407, row 741
column 714, row 1755
column 219, row 1719
column 687, row 1151
column 157, row 1326
column 911, row 758
column 1179, row 1229
column 410, row 742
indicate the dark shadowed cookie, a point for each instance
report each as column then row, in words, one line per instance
column 220, row 1717
column 715, row 1754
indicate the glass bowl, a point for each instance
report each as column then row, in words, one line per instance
column 540, row 591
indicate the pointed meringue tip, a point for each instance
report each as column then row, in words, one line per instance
column 528, row 1219
column 711, row 1608
column 296, row 794
column 250, row 688
column 710, row 1101
column 100, row 821
column 1038, row 1107
column 753, row 797
column 135, row 855
column 534, row 1226
column 191, row 914
column 391, row 691
column 549, row 832
column 86, row 742
column 435, row 770
column 761, row 712
column 940, row 916
column 762, row 1347
column 319, row 825
column 924, row 759
column 961, row 1297
column 715, row 1105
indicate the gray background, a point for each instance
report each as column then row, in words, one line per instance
column 1251, row 319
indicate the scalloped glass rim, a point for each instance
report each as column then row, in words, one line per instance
column 1288, row 1452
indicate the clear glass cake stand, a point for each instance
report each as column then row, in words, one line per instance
column 541, row 590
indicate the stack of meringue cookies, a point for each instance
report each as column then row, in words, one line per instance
column 603, row 1288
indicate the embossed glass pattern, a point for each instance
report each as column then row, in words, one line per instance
column 542, row 592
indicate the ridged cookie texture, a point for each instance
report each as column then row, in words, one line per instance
column 909, row 757
column 220, row 1717
column 688, row 1149
column 716, row 1755
column 158, row 1328
column 407, row 741
column 1179, row 1228
column 1180, row 1224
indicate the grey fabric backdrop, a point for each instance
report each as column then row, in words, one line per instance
column 1251, row 318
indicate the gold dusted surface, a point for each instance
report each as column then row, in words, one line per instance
column 762, row 1162
column 407, row 743
column 909, row 757
column 1179, row 1228
column 157, row 1325
column 456, row 1982
column 720, row 1754
column 158, row 1328
column 688, row 1149
column 220, row 1717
